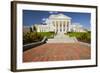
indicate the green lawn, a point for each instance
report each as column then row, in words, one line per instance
column 74, row 34
column 81, row 36
column 47, row 34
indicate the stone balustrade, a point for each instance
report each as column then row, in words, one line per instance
column 32, row 45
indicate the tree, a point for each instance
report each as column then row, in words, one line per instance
column 34, row 28
column 30, row 29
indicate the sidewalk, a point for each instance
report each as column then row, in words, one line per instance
column 57, row 52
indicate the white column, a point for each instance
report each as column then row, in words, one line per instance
column 69, row 25
column 55, row 26
column 58, row 25
column 66, row 26
column 62, row 26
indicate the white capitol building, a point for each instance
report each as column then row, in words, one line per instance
column 59, row 23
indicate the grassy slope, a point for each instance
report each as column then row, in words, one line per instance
column 81, row 36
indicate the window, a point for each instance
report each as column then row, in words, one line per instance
column 64, row 25
column 60, row 29
column 60, row 25
column 67, row 22
column 64, row 29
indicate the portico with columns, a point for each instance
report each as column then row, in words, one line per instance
column 60, row 22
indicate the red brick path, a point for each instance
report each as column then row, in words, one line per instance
column 57, row 52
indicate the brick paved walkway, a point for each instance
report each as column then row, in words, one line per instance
column 57, row 52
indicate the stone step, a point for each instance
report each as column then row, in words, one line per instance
column 62, row 40
column 60, row 37
column 58, row 41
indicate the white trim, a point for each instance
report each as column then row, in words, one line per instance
column 21, row 65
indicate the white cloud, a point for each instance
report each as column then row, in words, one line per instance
column 43, row 19
column 51, row 12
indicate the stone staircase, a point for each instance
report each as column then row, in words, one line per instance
column 61, row 38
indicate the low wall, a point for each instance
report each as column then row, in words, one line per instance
column 32, row 45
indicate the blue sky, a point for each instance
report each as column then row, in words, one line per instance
column 31, row 17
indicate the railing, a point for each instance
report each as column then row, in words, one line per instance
column 32, row 45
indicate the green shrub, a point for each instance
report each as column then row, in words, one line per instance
column 31, row 37
column 85, row 37
column 36, row 36
column 81, row 36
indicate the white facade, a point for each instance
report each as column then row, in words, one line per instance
column 42, row 28
column 76, row 27
column 59, row 23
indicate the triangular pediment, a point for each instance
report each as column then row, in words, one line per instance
column 59, row 16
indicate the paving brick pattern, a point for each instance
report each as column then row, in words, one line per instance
column 57, row 52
